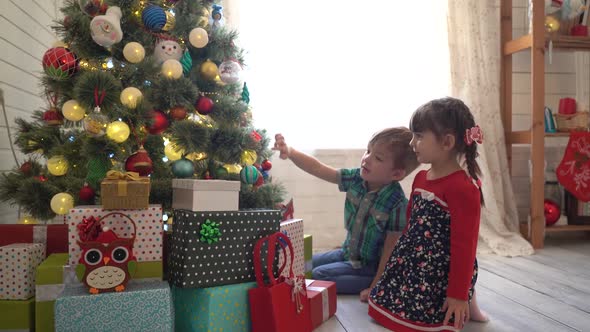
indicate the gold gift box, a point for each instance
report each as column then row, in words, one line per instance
column 124, row 191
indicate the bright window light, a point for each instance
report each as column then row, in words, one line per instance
column 328, row 74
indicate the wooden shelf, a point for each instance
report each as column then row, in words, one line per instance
column 567, row 228
column 571, row 43
column 558, row 134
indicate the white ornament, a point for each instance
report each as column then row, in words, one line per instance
column 198, row 37
column 133, row 52
column 167, row 49
column 106, row 29
column 229, row 71
column 172, row 69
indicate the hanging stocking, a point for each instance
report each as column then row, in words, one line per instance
column 574, row 170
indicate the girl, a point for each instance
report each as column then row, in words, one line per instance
column 431, row 273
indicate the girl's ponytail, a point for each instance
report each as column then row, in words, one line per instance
column 472, row 165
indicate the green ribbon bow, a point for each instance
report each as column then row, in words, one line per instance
column 210, row 232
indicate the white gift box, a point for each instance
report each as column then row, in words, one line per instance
column 294, row 230
column 149, row 230
column 205, row 195
column 18, row 263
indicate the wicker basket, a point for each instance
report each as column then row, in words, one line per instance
column 570, row 122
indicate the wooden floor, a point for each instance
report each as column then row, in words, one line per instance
column 546, row 292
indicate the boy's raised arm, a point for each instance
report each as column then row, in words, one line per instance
column 305, row 162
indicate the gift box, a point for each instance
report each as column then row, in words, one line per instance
column 308, row 254
column 148, row 235
column 215, row 248
column 124, row 191
column 294, row 230
column 224, row 308
column 143, row 306
column 53, row 237
column 18, row 262
column 17, row 314
column 52, row 276
column 322, row 300
column 205, row 195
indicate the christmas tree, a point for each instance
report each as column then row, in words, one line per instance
column 151, row 87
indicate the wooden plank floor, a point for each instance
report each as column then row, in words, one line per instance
column 546, row 292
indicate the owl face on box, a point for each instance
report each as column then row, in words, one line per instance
column 106, row 266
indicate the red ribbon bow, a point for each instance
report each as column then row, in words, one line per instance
column 473, row 134
column 88, row 229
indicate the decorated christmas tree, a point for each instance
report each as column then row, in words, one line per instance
column 151, row 87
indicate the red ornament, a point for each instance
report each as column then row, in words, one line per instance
column 41, row 178
column 266, row 165
column 255, row 136
column 204, row 105
column 86, row 193
column 552, row 212
column 139, row 162
column 178, row 113
column 53, row 117
column 60, row 63
column 259, row 181
column 207, row 176
column 26, row 168
column 159, row 122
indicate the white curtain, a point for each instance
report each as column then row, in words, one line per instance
column 474, row 44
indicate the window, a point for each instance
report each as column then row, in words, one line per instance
column 328, row 74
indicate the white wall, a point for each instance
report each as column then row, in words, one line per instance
column 25, row 35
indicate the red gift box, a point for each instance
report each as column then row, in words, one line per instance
column 579, row 30
column 55, row 237
column 322, row 300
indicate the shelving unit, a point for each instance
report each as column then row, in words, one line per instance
column 535, row 136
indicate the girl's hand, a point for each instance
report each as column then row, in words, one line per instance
column 281, row 146
column 458, row 308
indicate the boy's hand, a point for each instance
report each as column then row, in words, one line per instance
column 281, row 146
column 458, row 308
column 365, row 295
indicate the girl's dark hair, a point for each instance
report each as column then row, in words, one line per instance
column 449, row 116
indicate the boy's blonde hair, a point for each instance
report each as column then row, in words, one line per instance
column 397, row 139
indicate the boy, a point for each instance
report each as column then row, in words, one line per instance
column 374, row 210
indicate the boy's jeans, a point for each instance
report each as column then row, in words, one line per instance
column 332, row 266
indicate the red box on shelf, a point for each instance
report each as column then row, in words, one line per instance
column 55, row 237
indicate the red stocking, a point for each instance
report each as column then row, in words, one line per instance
column 574, row 170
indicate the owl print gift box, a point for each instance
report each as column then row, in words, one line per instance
column 131, row 239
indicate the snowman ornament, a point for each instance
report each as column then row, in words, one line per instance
column 106, row 29
column 166, row 50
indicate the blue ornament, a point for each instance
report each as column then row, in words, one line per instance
column 154, row 18
column 183, row 168
column 249, row 174
column 265, row 175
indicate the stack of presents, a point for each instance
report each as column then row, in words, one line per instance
column 115, row 268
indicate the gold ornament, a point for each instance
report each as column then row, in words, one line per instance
column 27, row 220
column 172, row 152
column 170, row 22
column 233, row 168
column 134, row 52
column 172, row 69
column 57, row 165
column 209, row 70
column 62, row 203
column 73, row 111
column 248, row 157
column 551, row 24
column 130, row 97
column 118, row 131
column 196, row 156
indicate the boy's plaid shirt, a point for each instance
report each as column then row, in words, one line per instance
column 368, row 216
